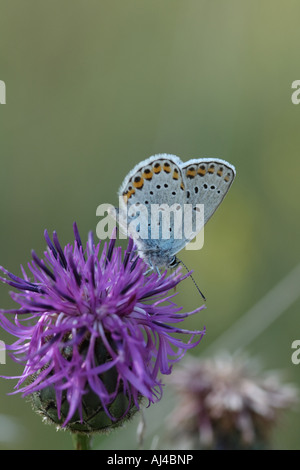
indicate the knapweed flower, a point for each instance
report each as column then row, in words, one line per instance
column 226, row 402
column 94, row 332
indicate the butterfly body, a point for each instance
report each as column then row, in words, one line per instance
column 164, row 183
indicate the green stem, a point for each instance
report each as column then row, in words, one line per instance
column 81, row 441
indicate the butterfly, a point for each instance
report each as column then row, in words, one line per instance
column 164, row 180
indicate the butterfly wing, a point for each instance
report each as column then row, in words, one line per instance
column 157, row 181
column 165, row 180
column 207, row 182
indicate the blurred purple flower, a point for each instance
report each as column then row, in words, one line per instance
column 92, row 324
column 227, row 402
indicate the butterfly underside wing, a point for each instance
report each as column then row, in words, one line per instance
column 164, row 181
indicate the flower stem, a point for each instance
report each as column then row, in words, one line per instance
column 81, row 441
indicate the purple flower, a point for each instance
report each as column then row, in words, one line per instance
column 94, row 332
column 227, row 402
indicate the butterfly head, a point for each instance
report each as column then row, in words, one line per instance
column 160, row 259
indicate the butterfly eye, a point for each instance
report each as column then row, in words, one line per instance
column 174, row 262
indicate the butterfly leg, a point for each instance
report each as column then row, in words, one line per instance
column 153, row 268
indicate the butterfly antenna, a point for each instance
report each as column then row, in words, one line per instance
column 179, row 260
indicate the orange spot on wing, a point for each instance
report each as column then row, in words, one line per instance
column 127, row 195
column 201, row 171
column 138, row 182
column 191, row 173
column 175, row 174
column 148, row 175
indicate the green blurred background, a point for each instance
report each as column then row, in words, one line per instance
column 93, row 87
